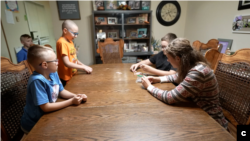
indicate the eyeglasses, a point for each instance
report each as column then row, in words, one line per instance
column 56, row 61
column 75, row 33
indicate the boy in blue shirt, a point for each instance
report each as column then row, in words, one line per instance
column 27, row 42
column 44, row 86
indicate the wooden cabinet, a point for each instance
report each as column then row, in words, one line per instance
column 133, row 26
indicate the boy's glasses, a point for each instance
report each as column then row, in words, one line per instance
column 75, row 33
column 56, row 61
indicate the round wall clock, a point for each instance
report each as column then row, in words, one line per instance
column 168, row 12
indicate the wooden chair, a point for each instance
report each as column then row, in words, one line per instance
column 212, row 56
column 110, row 51
column 211, row 44
column 233, row 76
column 14, row 79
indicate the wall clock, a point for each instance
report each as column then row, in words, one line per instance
column 168, row 12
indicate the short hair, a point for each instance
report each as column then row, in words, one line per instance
column 68, row 24
column 24, row 36
column 37, row 52
column 169, row 37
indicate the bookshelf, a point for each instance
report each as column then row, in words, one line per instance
column 128, row 25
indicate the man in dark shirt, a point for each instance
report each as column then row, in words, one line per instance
column 163, row 67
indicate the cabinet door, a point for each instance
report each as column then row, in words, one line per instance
column 137, row 29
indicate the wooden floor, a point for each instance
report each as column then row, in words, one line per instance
column 119, row 109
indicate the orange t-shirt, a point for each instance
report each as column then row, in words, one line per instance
column 65, row 48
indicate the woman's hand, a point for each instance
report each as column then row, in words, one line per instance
column 145, row 82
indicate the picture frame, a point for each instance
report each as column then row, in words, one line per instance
column 241, row 24
column 132, row 45
column 101, row 20
column 141, row 20
column 97, row 3
column 110, row 5
column 112, row 20
column 113, row 34
column 244, row 4
column 137, row 5
column 141, row 46
column 65, row 12
column 131, row 3
column 226, row 43
column 131, row 33
column 131, row 20
column 141, row 32
column 145, row 5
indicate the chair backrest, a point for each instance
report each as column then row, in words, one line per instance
column 14, row 79
column 110, row 51
column 211, row 44
column 212, row 56
column 233, row 76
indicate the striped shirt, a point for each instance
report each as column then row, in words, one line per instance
column 200, row 85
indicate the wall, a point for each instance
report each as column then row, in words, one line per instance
column 14, row 31
column 85, row 37
column 207, row 20
column 4, row 50
column 178, row 28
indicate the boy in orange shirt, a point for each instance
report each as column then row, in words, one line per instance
column 66, row 53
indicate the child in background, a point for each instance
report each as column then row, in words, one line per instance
column 66, row 53
column 27, row 42
column 163, row 67
column 44, row 87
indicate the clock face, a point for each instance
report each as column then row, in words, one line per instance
column 169, row 12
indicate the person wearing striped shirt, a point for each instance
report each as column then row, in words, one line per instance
column 195, row 78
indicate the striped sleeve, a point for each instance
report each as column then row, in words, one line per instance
column 169, row 78
column 192, row 84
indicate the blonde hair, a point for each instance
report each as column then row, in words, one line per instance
column 38, row 53
column 189, row 57
column 169, row 37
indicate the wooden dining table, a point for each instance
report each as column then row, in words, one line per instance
column 118, row 108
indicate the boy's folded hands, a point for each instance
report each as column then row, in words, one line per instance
column 79, row 98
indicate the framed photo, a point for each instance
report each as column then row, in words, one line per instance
column 71, row 12
column 244, row 4
column 112, row 34
column 141, row 32
column 110, row 5
column 137, row 5
column 145, row 5
column 226, row 43
column 141, row 46
column 132, row 20
column 131, row 4
column 241, row 24
column 131, row 33
column 133, row 45
column 112, row 20
column 122, row 2
column 141, row 20
column 101, row 20
column 97, row 3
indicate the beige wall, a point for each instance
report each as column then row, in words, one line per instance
column 14, row 31
column 4, row 50
column 207, row 20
